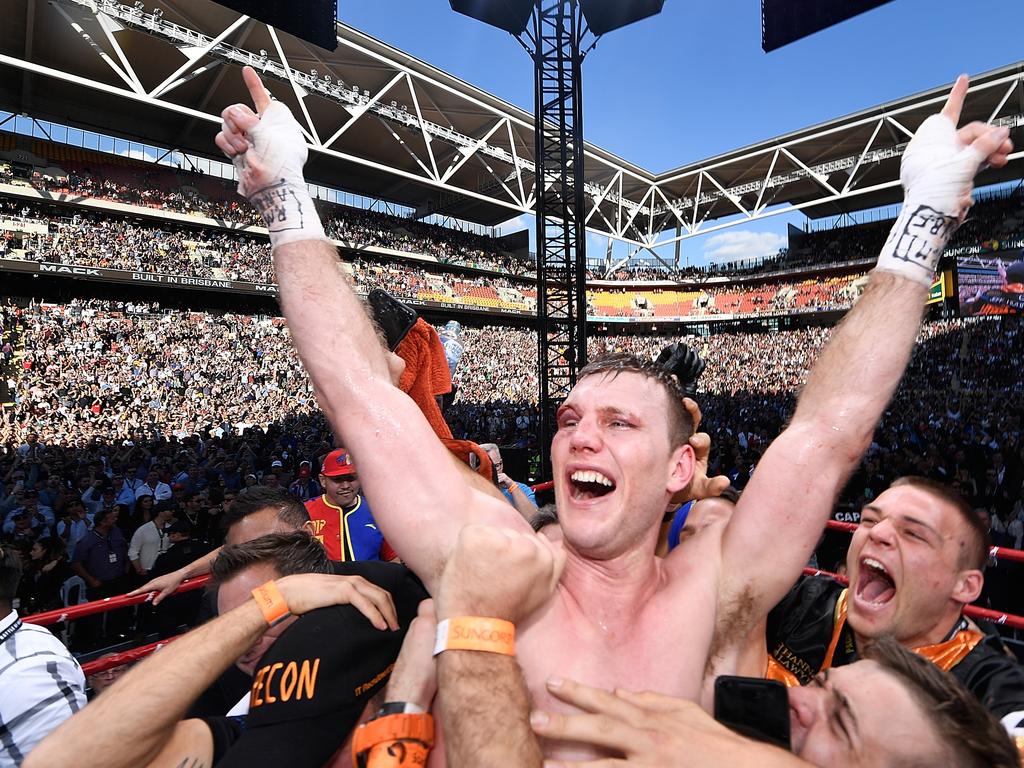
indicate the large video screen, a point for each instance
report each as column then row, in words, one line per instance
column 992, row 283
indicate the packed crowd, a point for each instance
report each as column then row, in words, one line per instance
column 648, row 573
column 178, row 191
column 95, row 240
column 776, row 296
column 993, row 217
column 137, row 374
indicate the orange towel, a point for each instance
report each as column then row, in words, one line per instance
column 426, row 373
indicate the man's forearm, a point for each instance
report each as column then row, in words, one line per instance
column 858, row 371
column 128, row 725
column 485, row 710
column 327, row 320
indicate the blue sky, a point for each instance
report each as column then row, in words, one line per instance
column 693, row 81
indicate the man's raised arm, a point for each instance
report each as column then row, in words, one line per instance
column 418, row 497
column 781, row 514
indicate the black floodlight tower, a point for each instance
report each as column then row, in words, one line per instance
column 553, row 32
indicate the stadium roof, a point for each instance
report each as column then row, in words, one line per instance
column 390, row 126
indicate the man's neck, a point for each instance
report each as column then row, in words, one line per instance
column 938, row 633
column 610, row 592
column 5, row 610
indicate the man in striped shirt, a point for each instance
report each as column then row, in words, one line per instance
column 42, row 683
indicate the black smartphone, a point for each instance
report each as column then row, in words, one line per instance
column 756, row 708
column 394, row 317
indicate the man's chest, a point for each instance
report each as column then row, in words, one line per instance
column 661, row 647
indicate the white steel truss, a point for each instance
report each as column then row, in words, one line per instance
column 490, row 158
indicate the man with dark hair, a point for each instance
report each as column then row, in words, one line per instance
column 41, row 682
column 101, row 558
column 150, row 539
column 255, row 512
column 317, row 660
column 342, row 520
column 891, row 709
column 619, row 615
column 915, row 561
column 74, row 525
column 184, row 550
column 896, row 709
column 255, row 506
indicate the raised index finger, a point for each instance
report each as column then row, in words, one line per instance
column 260, row 95
column 955, row 103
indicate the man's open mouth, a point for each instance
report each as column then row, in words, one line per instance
column 588, row 484
column 874, row 584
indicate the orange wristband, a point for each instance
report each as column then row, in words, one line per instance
column 393, row 740
column 475, row 633
column 271, row 602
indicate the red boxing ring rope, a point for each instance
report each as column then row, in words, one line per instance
column 127, row 657
column 72, row 612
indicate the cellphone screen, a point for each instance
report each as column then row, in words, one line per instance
column 753, row 707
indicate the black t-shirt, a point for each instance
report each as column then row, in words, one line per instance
column 801, row 628
column 313, row 683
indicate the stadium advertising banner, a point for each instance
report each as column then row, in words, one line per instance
column 991, row 283
column 102, row 274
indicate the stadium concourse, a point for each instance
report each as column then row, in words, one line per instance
column 166, row 456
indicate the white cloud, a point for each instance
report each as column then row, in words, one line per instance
column 736, row 245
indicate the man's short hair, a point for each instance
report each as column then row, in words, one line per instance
column 288, row 553
column 290, row 510
column 10, row 573
column 970, row 735
column 680, row 424
column 975, row 556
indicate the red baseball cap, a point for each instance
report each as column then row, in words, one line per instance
column 338, row 463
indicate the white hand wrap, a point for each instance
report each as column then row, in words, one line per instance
column 937, row 172
column 277, row 148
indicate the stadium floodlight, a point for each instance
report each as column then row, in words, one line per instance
column 604, row 16
column 510, row 15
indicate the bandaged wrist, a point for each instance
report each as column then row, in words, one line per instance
column 916, row 242
column 288, row 213
column 277, row 154
column 475, row 633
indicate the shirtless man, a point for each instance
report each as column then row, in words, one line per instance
column 620, row 617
